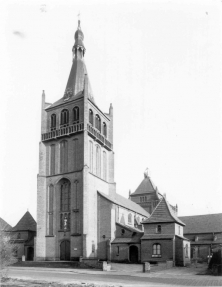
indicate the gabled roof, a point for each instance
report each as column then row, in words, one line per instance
column 4, row 225
column 163, row 213
column 27, row 222
column 207, row 223
column 122, row 201
column 146, row 186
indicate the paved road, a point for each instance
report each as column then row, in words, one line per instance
column 111, row 279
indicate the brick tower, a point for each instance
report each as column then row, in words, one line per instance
column 76, row 160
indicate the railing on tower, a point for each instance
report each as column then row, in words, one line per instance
column 63, row 131
column 97, row 135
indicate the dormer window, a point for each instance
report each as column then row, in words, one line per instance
column 64, row 117
column 91, row 117
column 158, row 228
column 53, row 121
column 98, row 123
column 76, row 114
column 104, row 130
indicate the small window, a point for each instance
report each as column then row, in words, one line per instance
column 53, row 121
column 123, row 231
column 156, row 250
column 104, row 130
column 158, row 229
column 64, row 117
column 19, row 236
column 91, row 117
column 76, row 114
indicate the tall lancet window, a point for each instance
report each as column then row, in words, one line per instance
column 76, row 153
column 50, row 210
column 52, row 159
column 53, row 121
column 104, row 166
column 91, row 117
column 76, row 114
column 98, row 160
column 98, row 123
column 63, row 156
column 104, row 129
column 65, row 200
column 90, row 156
column 64, row 117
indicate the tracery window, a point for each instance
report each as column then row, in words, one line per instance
column 98, row 123
column 65, row 201
column 50, row 210
column 91, row 117
column 53, row 121
column 76, row 114
column 156, row 250
column 64, row 117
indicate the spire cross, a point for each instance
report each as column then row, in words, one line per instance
column 78, row 20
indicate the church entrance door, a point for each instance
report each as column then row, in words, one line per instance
column 65, row 250
column 30, row 253
column 133, row 250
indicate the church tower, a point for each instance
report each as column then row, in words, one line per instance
column 76, row 160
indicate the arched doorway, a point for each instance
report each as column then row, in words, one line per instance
column 133, row 253
column 30, row 253
column 65, row 250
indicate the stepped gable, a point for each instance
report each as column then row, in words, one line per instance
column 27, row 222
column 163, row 213
column 4, row 225
column 122, row 201
column 75, row 85
column 207, row 223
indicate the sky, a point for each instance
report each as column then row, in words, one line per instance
column 157, row 62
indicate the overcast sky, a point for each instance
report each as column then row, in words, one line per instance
column 157, row 62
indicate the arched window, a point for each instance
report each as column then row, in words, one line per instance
column 64, row 117
column 104, row 130
column 53, row 121
column 156, row 250
column 130, row 218
column 63, row 156
column 76, row 153
column 91, row 117
column 104, row 166
column 76, row 114
column 65, row 197
column 50, row 210
column 98, row 159
column 52, row 159
column 98, row 123
column 90, row 156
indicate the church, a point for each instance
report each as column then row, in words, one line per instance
column 79, row 214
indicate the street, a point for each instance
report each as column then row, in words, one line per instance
column 66, row 276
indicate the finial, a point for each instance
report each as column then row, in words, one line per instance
column 146, row 175
column 79, row 21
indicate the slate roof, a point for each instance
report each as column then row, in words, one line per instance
column 131, row 228
column 4, row 225
column 27, row 222
column 124, row 202
column 207, row 223
column 163, row 213
column 157, row 236
column 146, row 186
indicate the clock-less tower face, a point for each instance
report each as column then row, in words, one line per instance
column 76, row 160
